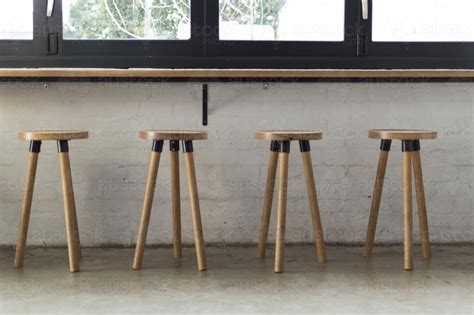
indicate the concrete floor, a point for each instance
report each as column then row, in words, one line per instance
column 237, row 283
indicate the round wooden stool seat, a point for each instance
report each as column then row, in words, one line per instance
column 402, row 134
column 288, row 135
column 53, row 135
column 173, row 135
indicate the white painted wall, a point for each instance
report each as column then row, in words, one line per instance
column 109, row 169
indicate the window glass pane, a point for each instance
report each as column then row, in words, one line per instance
column 125, row 19
column 16, row 19
column 282, row 20
column 423, row 20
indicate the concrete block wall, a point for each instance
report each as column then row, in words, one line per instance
column 109, row 169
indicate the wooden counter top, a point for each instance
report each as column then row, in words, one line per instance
column 226, row 73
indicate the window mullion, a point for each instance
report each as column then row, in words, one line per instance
column 55, row 30
column 40, row 28
column 363, row 29
column 198, row 28
column 211, row 28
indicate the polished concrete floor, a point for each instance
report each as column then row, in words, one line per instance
column 239, row 284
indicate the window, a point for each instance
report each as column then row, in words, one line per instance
column 124, row 33
column 16, row 19
column 423, row 21
column 124, row 19
column 289, row 20
column 17, row 36
column 422, row 33
column 288, row 29
column 284, row 34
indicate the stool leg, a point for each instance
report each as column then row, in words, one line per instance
column 377, row 195
column 75, row 224
column 35, row 147
column 78, row 237
column 267, row 204
column 194, row 198
column 176, row 198
column 281, row 216
column 420, row 199
column 313, row 200
column 407, row 147
column 72, row 230
column 147, row 203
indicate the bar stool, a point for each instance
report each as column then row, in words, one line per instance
column 187, row 138
column 411, row 160
column 280, row 149
column 72, row 229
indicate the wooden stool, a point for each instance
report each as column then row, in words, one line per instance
column 280, row 149
column 411, row 155
column 72, row 229
column 174, row 137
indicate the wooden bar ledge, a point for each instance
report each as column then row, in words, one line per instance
column 228, row 73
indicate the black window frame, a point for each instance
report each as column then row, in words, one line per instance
column 226, row 48
column 205, row 50
column 73, row 48
column 452, row 54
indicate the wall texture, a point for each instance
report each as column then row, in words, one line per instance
column 109, row 169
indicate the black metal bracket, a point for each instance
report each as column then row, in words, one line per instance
column 63, row 146
column 385, row 145
column 35, row 146
column 157, row 146
column 205, row 103
column 305, row 146
column 416, row 145
column 174, row 145
column 285, row 147
column 275, row 146
column 407, row 145
column 188, row 146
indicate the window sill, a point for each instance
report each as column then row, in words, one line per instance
column 226, row 73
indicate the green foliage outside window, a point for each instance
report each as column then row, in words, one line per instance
column 156, row 19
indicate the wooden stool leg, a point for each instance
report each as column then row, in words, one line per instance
column 176, row 199
column 267, row 204
column 281, row 216
column 407, row 147
column 76, row 229
column 194, row 199
column 313, row 201
column 376, row 197
column 69, row 206
column 420, row 199
column 147, row 203
column 35, row 147
column 75, row 225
